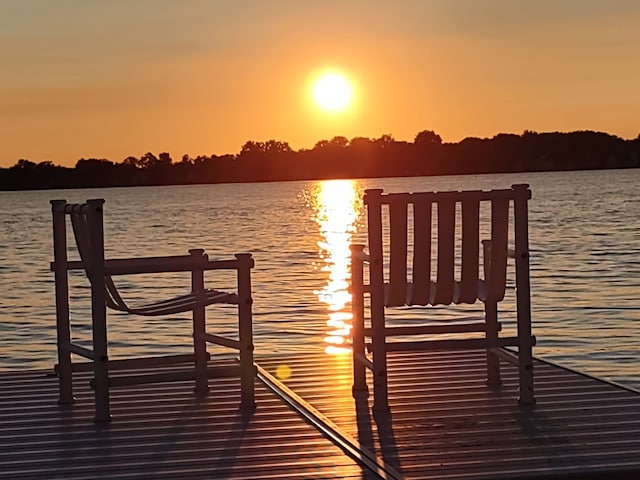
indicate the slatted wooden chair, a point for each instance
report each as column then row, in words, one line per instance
column 425, row 249
column 88, row 228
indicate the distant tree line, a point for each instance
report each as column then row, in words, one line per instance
column 340, row 157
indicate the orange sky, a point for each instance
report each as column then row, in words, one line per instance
column 123, row 77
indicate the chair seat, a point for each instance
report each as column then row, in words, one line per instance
column 182, row 303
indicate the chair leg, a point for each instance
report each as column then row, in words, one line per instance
column 200, row 351
column 101, row 386
column 65, row 379
column 525, row 371
column 380, row 383
column 380, row 380
column 63, row 328
column 245, row 333
column 65, row 368
column 247, row 367
column 493, row 361
column 96, row 274
column 100, row 366
column 359, row 387
column 101, row 358
column 199, row 327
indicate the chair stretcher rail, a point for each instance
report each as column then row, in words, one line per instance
column 432, row 329
column 174, row 376
column 449, row 344
column 135, row 363
column 79, row 350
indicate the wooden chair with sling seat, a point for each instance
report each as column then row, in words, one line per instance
column 88, row 229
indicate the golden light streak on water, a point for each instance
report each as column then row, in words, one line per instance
column 336, row 207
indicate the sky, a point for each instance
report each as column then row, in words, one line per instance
column 118, row 78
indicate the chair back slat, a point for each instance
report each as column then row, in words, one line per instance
column 499, row 249
column 444, row 287
column 397, row 293
column 468, row 292
column 421, row 267
column 85, row 245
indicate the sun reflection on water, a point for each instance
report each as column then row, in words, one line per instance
column 336, row 211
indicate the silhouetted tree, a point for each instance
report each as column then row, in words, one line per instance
column 24, row 164
column 427, row 138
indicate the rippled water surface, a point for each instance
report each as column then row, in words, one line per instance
column 584, row 237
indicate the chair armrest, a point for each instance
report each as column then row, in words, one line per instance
column 176, row 263
column 179, row 263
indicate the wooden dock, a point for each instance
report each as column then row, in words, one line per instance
column 445, row 423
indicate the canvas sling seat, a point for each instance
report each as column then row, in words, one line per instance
column 114, row 300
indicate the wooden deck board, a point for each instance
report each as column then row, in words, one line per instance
column 445, row 423
column 158, row 431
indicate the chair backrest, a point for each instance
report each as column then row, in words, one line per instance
column 430, row 243
column 88, row 232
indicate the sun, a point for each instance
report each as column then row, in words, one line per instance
column 332, row 92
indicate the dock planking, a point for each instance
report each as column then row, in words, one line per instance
column 158, row 431
column 445, row 422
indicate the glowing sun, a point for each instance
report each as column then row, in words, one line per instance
column 332, row 92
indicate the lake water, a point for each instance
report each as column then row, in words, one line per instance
column 585, row 263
